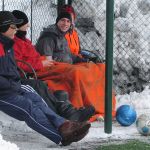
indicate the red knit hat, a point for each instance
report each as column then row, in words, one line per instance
column 68, row 9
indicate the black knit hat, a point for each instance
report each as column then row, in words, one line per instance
column 20, row 15
column 63, row 15
column 6, row 19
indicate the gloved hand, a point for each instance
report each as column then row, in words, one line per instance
column 77, row 59
column 91, row 56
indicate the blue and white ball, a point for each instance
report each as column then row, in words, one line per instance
column 143, row 124
column 126, row 115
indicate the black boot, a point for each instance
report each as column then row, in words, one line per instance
column 66, row 109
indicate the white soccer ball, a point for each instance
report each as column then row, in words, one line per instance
column 143, row 124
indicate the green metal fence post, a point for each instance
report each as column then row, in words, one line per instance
column 3, row 5
column 70, row 2
column 59, row 4
column 109, row 64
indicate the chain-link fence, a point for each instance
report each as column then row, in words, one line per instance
column 131, row 34
column 132, row 45
column 131, row 39
column 40, row 13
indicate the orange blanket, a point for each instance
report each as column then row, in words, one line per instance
column 85, row 83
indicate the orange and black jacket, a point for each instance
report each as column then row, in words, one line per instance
column 73, row 41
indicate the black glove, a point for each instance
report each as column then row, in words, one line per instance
column 77, row 59
column 90, row 56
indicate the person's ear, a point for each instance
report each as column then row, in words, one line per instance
column 71, row 26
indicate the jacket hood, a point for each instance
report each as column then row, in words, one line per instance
column 53, row 29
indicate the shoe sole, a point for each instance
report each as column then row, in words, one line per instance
column 81, row 136
column 77, row 135
column 76, row 139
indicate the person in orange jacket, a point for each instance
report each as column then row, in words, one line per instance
column 73, row 40
column 72, row 36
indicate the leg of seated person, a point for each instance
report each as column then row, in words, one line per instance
column 29, row 107
column 59, row 102
column 29, row 92
column 42, row 89
column 65, row 107
column 24, row 109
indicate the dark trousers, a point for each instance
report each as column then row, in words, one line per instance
column 29, row 107
column 41, row 88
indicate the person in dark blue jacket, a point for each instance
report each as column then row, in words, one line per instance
column 22, row 102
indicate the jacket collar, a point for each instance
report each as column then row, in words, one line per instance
column 21, row 34
column 7, row 42
column 55, row 30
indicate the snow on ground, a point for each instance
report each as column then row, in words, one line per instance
column 140, row 101
column 7, row 145
column 25, row 138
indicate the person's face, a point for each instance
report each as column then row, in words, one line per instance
column 24, row 27
column 64, row 24
column 11, row 31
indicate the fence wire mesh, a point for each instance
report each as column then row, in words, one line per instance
column 131, row 34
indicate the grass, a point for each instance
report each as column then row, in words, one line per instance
column 132, row 145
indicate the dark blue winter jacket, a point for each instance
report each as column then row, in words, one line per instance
column 9, row 76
